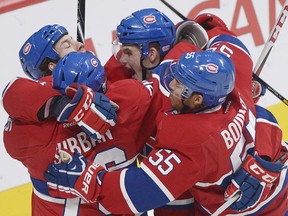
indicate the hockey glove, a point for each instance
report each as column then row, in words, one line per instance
column 192, row 32
column 76, row 178
column 93, row 112
column 254, row 181
column 209, row 21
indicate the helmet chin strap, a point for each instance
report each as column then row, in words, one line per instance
column 145, row 69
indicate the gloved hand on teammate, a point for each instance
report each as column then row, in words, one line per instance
column 192, row 32
column 254, row 181
column 209, row 21
column 212, row 24
column 77, row 178
column 92, row 111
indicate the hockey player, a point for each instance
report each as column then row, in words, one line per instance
column 44, row 48
column 22, row 137
column 144, row 39
column 201, row 155
column 38, row 56
column 39, row 141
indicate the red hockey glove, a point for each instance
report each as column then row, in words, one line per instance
column 213, row 25
column 76, row 178
column 254, row 181
column 93, row 112
column 191, row 31
column 209, row 21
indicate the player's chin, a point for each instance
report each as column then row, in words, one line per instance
column 173, row 102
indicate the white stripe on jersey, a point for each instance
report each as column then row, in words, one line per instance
column 157, row 181
column 70, row 206
column 267, row 122
column 181, row 202
column 124, row 192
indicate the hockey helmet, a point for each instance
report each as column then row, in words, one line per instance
column 211, row 74
column 39, row 46
column 146, row 26
column 82, row 68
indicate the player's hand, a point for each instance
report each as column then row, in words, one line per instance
column 93, row 112
column 76, row 178
column 209, row 21
column 192, row 32
column 254, row 181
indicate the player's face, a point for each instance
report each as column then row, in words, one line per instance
column 130, row 58
column 66, row 45
column 175, row 96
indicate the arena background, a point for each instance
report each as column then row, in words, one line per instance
column 252, row 20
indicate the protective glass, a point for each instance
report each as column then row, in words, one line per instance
column 116, row 49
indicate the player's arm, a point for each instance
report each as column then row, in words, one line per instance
column 23, row 98
column 213, row 25
column 125, row 191
column 115, row 71
column 190, row 37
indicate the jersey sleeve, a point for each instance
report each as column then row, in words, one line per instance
column 134, row 99
column 153, row 184
column 179, row 49
column 132, row 96
column 226, row 43
column 269, row 135
column 23, row 98
column 115, row 71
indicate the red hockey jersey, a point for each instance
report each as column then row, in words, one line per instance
column 36, row 143
column 198, row 152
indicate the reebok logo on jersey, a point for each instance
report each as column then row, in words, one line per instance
column 69, row 124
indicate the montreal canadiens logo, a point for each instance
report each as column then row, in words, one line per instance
column 212, row 68
column 27, row 49
column 94, row 62
column 149, row 19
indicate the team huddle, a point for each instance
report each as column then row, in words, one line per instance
column 170, row 123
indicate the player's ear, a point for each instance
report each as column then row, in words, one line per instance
column 153, row 54
column 51, row 66
column 195, row 101
column 198, row 98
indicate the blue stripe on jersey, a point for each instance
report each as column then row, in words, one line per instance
column 265, row 114
column 143, row 191
column 230, row 39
